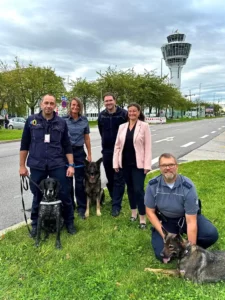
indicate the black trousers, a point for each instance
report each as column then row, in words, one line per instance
column 134, row 179
column 64, row 194
column 116, row 183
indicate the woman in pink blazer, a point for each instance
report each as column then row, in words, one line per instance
column 133, row 154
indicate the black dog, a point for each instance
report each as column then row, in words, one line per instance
column 50, row 211
column 93, row 185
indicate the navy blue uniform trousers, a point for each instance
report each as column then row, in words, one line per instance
column 64, row 194
column 116, row 182
column 207, row 233
column 79, row 156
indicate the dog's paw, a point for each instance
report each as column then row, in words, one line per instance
column 98, row 213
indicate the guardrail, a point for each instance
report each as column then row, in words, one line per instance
column 155, row 120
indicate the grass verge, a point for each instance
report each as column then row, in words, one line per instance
column 107, row 256
column 8, row 135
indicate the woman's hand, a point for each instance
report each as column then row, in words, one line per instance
column 89, row 158
column 146, row 171
column 116, row 170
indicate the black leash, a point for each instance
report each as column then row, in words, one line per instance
column 24, row 186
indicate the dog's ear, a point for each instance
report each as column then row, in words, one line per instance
column 42, row 185
column 57, row 186
column 86, row 163
column 99, row 161
column 164, row 231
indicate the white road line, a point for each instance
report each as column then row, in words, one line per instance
column 155, row 160
column 188, row 144
column 153, row 134
column 95, row 147
column 213, row 131
column 219, row 128
column 223, row 126
column 204, row 136
column 168, row 139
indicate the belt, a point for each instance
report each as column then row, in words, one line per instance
column 77, row 147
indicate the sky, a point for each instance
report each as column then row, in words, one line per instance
column 79, row 37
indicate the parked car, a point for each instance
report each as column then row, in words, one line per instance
column 16, row 123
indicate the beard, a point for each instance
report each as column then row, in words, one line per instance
column 170, row 176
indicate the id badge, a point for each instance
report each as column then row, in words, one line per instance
column 47, row 138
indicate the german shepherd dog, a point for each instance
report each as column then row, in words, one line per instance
column 93, row 189
column 50, row 211
column 194, row 263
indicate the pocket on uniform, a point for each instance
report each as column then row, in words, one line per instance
column 38, row 133
column 56, row 133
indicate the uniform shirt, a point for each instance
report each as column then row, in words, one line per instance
column 173, row 203
column 77, row 129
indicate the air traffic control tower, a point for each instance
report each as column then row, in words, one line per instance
column 175, row 54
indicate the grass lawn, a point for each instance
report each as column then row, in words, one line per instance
column 107, row 256
column 8, row 134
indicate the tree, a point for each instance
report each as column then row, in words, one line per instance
column 32, row 83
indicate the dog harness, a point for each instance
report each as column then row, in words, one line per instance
column 51, row 203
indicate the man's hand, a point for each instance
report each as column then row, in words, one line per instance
column 23, row 171
column 70, row 172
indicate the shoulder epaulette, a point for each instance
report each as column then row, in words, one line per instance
column 153, row 181
column 187, row 185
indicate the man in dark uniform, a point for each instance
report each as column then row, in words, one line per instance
column 171, row 201
column 45, row 138
column 109, row 121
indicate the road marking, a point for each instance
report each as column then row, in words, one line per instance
column 153, row 134
column 95, row 147
column 213, row 131
column 219, row 128
column 168, row 139
column 204, row 136
column 155, row 160
column 188, row 144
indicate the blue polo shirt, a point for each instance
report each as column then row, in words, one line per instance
column 172, row 202
column 77, row 129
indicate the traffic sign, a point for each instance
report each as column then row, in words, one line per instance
column 63, row 98
column 63, row 103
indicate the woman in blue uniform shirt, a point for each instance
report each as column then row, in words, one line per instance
column 79, row 133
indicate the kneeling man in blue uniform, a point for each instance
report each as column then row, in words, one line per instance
column 172, row 202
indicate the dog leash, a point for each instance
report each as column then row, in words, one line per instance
column 78, row 166
column 24, row 187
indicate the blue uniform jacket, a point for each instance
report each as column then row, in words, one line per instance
column 108, row 125
column 45, row 155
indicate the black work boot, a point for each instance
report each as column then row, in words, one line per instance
column 33, row 232
column 71, row 229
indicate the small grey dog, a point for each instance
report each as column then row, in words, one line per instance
column 93, row 189
column 194, row 263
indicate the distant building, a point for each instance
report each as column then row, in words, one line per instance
column 175, row 54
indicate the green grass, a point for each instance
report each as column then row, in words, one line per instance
column 107, row 256
column 8, row 134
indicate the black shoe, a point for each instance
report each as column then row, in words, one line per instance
column 71, row 229
column 33, row 232
column 81, row 215
column 115, row 213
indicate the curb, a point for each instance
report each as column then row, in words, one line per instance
column 10, row 141
column 14, row 227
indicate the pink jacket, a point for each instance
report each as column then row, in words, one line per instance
column 142, row 145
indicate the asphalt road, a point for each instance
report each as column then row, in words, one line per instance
column 177, row 138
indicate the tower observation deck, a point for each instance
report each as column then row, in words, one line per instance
column 175, row 54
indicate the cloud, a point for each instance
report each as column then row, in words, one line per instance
column 78, row 38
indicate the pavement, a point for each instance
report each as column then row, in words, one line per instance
column 212, row 150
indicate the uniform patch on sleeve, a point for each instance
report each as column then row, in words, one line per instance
column 187, row 185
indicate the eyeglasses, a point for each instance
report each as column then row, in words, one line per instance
column 170, row 166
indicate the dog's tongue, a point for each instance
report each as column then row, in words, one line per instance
column 166, row 260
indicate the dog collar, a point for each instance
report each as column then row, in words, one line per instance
column 51, row 203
